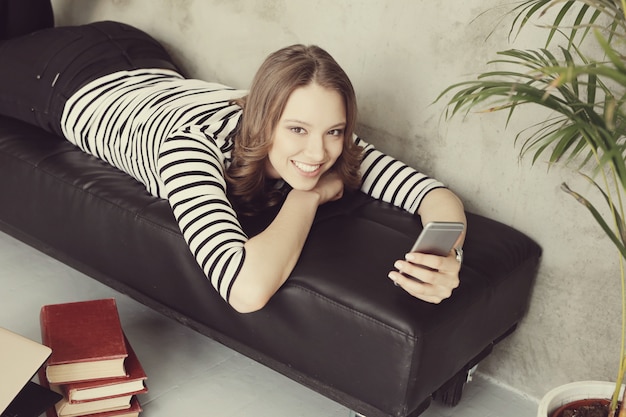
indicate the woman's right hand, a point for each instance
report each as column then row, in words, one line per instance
column 329, row 187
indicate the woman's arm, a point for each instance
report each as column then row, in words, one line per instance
column 272, row 254
column 442, row 276
column 390, row 180
column 442, row 205
column 245, row 272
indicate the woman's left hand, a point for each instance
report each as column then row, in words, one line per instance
column 430, row 278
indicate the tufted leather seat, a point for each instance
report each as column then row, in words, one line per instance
column 338, row 325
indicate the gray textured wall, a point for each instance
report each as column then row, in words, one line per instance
column 400, row 55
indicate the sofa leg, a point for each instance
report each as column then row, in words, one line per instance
column 470, row 373
column 451, row 392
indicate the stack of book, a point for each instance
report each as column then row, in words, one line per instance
column 92, row 363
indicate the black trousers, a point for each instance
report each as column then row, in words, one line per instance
column 20, row 17
column 41, row 70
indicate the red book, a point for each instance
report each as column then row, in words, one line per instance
column 86, row 339
column 78, row 392
column 133, row 411
column 64, row 409
column 127, row 406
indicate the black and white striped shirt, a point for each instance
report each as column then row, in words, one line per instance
column 174, row 135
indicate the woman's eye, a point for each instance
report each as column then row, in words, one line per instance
column 297, row 130
column 336, row 132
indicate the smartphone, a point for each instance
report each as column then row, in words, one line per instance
column 438, row 238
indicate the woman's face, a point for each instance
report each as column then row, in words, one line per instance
column 308, row 138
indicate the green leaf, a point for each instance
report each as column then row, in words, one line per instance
column 598, row 217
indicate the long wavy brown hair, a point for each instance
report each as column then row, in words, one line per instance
column 280, row 74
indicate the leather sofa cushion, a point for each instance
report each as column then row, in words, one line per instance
column 338, row 325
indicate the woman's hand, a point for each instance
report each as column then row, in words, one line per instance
column 428, row 277
column 329, row 187
column 432, row 278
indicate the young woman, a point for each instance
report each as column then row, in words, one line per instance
column 214, row 151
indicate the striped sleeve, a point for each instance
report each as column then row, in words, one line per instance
column 192, row 172
column 173, row 135
column 392, row 181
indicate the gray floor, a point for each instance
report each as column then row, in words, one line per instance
column 189, row 374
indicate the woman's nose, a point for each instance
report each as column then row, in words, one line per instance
column 315, row 147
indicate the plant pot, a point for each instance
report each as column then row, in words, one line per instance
column 595, row 404
column 581, row 390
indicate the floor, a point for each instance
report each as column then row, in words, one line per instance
column 189, row 374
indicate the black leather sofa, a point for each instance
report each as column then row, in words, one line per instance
column 338, row 326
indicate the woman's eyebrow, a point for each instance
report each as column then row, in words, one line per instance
column 297, row 121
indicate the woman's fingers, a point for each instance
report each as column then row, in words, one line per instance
column 428, row 277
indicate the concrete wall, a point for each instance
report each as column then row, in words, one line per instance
column 400, row 55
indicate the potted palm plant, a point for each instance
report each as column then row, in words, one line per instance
column 579, row 77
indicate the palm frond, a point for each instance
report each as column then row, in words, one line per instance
column 584, row 99
column 617, row 240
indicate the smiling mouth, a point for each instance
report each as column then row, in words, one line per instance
column 306, row 167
